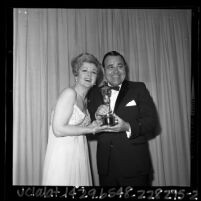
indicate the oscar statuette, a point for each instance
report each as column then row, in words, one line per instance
column 108, row 118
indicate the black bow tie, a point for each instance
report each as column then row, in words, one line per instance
column 116, row 88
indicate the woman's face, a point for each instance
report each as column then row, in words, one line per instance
column 87, row 74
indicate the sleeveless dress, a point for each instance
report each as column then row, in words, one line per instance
column 67, row 158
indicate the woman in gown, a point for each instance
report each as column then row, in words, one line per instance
column 67, row 159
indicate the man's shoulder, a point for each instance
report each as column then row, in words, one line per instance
column 94, row 90
column 135, row 84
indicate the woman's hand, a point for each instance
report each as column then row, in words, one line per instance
column 96, row 127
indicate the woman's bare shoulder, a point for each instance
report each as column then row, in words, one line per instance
column 68, row 94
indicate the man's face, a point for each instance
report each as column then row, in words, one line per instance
column 115, row 70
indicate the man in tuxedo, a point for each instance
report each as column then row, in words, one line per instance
column 123, row 156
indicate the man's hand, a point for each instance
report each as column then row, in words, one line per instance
column 120, row 126
column 101, row 111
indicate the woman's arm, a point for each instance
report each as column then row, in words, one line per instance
column 62, row 114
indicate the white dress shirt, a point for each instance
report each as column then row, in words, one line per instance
column 113, row 98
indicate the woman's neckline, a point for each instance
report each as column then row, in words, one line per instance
column 85, row 113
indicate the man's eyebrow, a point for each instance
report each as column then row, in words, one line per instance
column 117, row 64
column 109, row 65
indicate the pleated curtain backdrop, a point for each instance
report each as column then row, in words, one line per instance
column 157, row 46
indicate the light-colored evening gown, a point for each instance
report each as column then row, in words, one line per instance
column 67, row 158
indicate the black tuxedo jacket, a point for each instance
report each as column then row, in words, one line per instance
column 115, row 152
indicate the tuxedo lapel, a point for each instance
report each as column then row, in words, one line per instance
column 122, row 93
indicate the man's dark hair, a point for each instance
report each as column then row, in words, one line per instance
column 113, row 53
